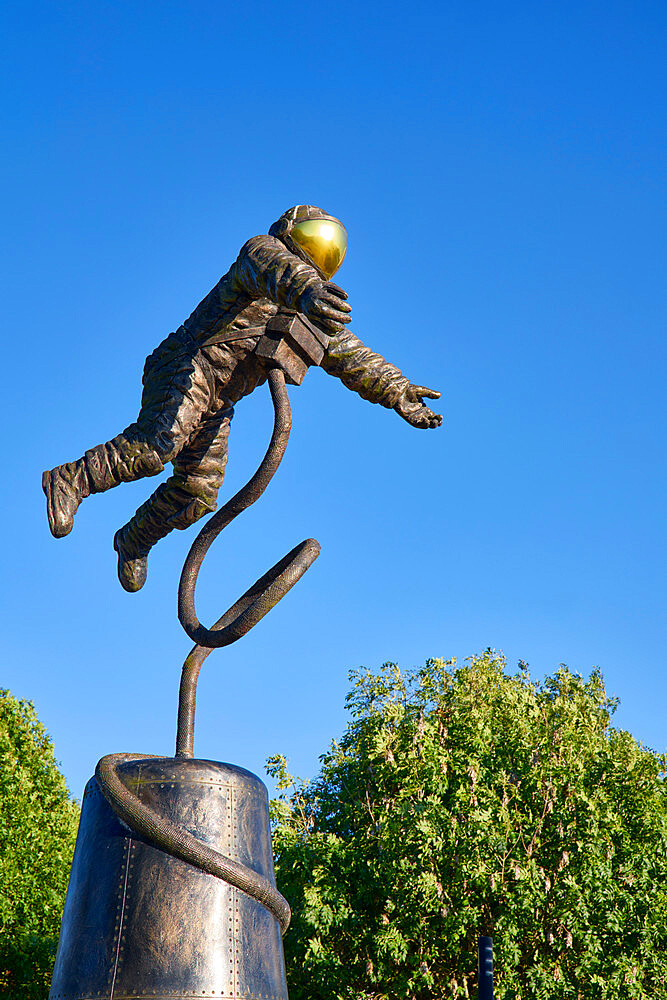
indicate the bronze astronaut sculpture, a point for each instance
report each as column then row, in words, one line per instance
column 194, row 378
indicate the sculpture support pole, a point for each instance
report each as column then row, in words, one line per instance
column 232, row 801
column 261, row 597
column 270, row 588
column 254, row 604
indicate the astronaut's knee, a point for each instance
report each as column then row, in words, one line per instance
column 138, row 453
column 192, row 512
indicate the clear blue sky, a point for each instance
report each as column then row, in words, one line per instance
column 500, row 169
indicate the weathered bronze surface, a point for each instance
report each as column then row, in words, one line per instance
column 172, row 891
column 193, row 380
column 139, row 922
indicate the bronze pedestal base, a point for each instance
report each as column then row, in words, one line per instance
column 140, row 923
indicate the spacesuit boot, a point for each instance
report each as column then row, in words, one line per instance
column 132, row 568
column 168, row 508
column 121, row 460
column 134, row 541
column 65, row 487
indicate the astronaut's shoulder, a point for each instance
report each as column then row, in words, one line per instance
column 261, row 246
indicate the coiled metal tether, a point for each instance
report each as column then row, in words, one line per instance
column 258, row 599
column 255, row 603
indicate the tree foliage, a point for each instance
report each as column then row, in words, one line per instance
column 38, row 822
column 461, row 802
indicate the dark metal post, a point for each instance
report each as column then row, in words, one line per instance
column 485, row 968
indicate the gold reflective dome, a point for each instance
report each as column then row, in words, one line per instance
column 324, row 241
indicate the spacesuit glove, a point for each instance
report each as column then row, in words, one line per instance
column 411, row 407
column 325, row 304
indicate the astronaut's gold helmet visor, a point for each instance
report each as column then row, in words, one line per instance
column 323, row 241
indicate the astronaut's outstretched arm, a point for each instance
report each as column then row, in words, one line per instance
column 377, row 380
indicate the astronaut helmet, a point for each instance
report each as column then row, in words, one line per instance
column 314, row 236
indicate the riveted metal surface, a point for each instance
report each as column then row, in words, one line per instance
column 140, row 923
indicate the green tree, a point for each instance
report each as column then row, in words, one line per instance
column 38, row 822
column 461, row 802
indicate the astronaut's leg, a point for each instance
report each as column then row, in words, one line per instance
column 186, row 496
column 177, row 392
column 126, row 458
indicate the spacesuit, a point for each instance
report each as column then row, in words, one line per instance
column 193, row 380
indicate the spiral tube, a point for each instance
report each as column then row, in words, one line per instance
column 250, row 608
column 270, row 588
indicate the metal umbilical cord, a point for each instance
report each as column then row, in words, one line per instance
column 239, row 619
